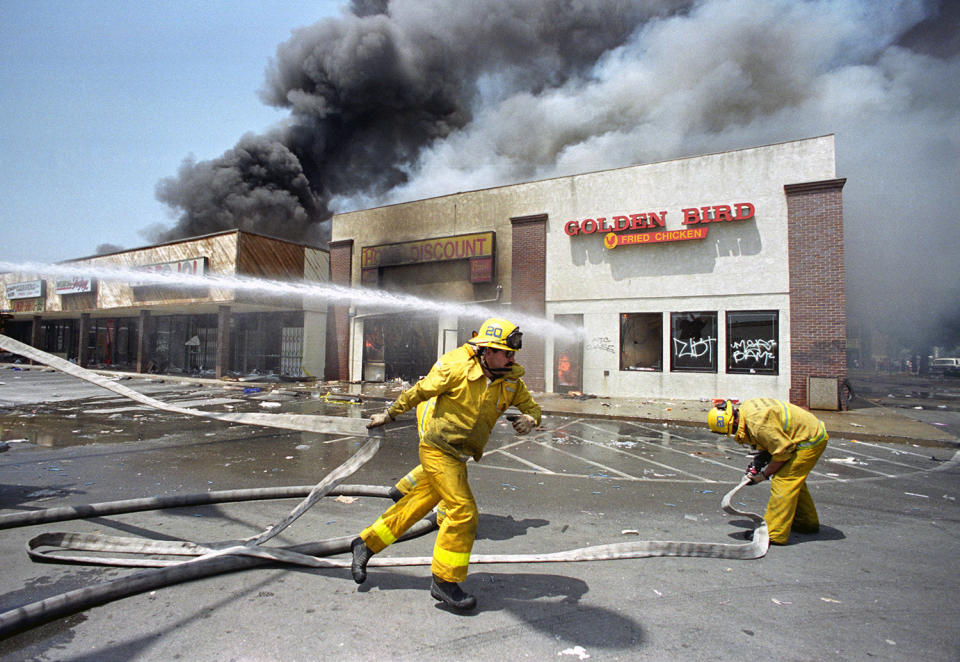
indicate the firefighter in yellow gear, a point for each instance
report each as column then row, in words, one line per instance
column 794, row 439
column 468, row 397
column 464, row 352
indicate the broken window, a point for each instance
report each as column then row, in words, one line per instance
column 693, row 342
column 641, row 341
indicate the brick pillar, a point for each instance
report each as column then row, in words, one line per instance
column 338, row 321
column 818, row 315
column 528, row 295
column 223, row 341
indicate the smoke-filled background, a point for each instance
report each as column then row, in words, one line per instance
column 407, row 99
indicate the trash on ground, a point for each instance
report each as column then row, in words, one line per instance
column 579, row 651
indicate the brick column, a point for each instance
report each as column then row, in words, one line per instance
column 338, row 321
column 818, row 316
column 528, row 290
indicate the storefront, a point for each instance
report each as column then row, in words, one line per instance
column 99, row 321
column 717, row 275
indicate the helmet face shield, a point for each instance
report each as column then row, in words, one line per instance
column 514, row 339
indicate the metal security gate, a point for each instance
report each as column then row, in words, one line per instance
column 291, row 351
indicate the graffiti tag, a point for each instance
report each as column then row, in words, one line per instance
column 762, row 352
column 694, row 348
column 603, row 344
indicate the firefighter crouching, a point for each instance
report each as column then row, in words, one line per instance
column 795, row 439
column 469, row 395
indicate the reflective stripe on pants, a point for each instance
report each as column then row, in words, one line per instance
column 443, row 477
column 790, row 504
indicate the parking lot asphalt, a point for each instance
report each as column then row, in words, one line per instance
column 875, row 583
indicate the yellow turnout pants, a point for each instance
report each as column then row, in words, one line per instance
column 790, row 504
column 408, row 482
column 443, row 477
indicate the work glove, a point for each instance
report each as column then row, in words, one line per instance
column 524, row 423
column 382, row 418
column 754, row 475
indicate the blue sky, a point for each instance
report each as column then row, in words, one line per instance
column 101, row 99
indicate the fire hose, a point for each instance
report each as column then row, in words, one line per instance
column 214, row 558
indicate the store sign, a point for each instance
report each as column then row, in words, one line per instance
column 612, row 239
column 460, row 247
column 195, row 266
column 30, row 289
column 75, row 285
column 37, row 305
column 616, row 227
column 481, row 270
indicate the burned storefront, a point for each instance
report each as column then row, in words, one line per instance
column 403, row 345
column 99, row 320
column 715, row 275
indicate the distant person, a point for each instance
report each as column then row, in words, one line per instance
column 795, row 439
column 469, row 397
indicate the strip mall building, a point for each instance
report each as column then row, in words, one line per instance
column 211, row 331
column 715, row 276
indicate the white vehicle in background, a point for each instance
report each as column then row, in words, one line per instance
column 947, row 366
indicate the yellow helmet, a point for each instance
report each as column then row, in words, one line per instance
column 721, row 420
column 499, row 334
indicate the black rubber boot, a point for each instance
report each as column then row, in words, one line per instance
column 395, row 494
column 451, row 594
column 361, row 554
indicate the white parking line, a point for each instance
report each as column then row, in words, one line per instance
column 676, row 450
column 535, row 467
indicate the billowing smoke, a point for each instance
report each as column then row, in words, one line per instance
column 408, row 99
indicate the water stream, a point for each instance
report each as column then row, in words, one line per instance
column 370, row 300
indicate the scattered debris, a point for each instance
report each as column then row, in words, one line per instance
column 629, row 532
column 579, row 651
column 831, row 600
column 345, row 499
column 922, row 496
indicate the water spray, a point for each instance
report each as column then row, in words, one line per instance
column 380, row 300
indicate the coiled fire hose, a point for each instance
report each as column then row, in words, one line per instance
column 215, row 558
